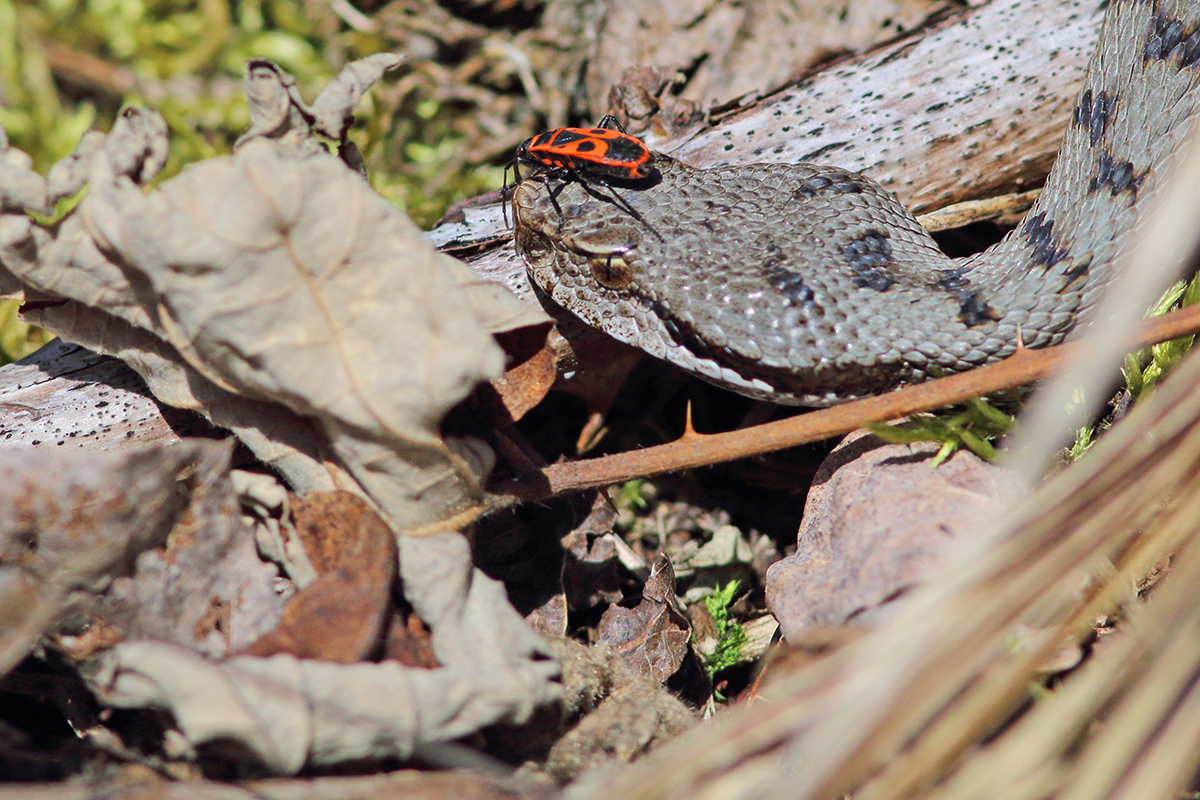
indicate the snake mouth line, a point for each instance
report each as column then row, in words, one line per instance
column 817, row 384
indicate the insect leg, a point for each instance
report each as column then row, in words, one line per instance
column 609, row 122
column 613, row 197
column 515, row 166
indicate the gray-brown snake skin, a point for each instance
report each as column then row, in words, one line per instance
column 811, row 285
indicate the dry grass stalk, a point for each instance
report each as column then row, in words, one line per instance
column 900, row 710
column 1126, row 725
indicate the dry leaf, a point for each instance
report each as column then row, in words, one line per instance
column 474, row 626
column 76, row 534
column 408, row 642
column 653, row 637
column 291, row 281
column 342, row 615
column 532, row 370
column 207, row 587
column 550, row 617
column 290, row 713
column 20, row 186
column 275, row 293
column 276, row 277
column 403, row 784
column 876, row 522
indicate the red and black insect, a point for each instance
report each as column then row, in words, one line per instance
column 598, row 155
column 605, row 152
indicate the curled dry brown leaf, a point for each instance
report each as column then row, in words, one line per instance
column 342, row 614
column 652, row 637
column 290, row 713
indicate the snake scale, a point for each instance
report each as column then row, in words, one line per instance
column 812, row 285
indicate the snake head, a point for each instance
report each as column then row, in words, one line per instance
column 606, row 262
column 793, row 283
column 586, row 254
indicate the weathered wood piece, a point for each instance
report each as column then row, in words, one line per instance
column 65, row 395
column 969, row 109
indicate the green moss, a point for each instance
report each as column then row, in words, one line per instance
column 1145, row 368
column 731, row 636
column 17, row 338
column 974, row 427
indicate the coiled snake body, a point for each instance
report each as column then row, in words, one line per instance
column 811, row 285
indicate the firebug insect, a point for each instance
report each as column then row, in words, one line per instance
column 600, row 153
column 596, row 155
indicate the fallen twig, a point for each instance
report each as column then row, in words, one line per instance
column 701, row 450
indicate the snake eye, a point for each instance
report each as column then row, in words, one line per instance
column 611, row 271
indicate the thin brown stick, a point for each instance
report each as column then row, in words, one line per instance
column 1025, row 366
